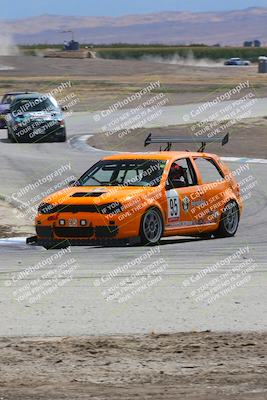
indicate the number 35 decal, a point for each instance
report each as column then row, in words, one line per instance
column 173, row 206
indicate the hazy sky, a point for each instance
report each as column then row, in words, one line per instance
column 25, row 8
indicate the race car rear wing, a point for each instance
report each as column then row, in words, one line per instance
column 169, row 140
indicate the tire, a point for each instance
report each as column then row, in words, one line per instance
column 151, row 228
column 10, row 137
column 229, row 220
column 62, row 138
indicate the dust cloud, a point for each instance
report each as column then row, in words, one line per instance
column 7, row 48
column 189, row 60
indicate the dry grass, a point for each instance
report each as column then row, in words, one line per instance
column 247, row 139
column 99, row 82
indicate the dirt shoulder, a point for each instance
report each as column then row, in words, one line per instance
column 247, row 139
column 199, row 366
column 98, row 83
column 12, row 222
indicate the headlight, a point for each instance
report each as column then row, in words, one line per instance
column 45, row 208
column 110, row 208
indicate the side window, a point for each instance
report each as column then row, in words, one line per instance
column 182, row 174
column 6, row 100
column 209, row 171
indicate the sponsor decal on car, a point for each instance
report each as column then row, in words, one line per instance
column 173, row 206
column 186, row 204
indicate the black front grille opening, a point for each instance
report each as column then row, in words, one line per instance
column 44, row 231
column 74, row 232
column 106, row 231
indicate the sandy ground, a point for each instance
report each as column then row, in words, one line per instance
column 247, row 139
column 13, row 223
column 199, row 366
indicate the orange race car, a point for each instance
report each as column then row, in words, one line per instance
column 142, row 197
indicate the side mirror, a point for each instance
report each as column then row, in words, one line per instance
column 168, row 186
column 64, row 108
column 72, row 183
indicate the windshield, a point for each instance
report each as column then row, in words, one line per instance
column 124, row 173
column 22, row 106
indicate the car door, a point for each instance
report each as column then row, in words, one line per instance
column 184, row 199
column 212, row 188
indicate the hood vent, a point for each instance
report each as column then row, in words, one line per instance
column 89, row 194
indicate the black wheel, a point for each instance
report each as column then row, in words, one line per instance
column 151, row 228
column 10, row 137
column 229, row 220
column 62, row 138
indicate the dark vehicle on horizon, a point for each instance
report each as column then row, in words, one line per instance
column 34, row 118
column 5, row 106
column 237, row 62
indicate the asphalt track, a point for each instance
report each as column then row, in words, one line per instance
column 79, row 306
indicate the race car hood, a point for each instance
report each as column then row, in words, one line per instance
column 97, row 195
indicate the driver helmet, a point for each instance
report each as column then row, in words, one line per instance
column 176, row 172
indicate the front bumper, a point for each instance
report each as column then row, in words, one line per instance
column 98, row 226
column 57, row 244
column 26, row 134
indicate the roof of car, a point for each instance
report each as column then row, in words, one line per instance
column 17, row 93
column 160, row 155
column 28, row 96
